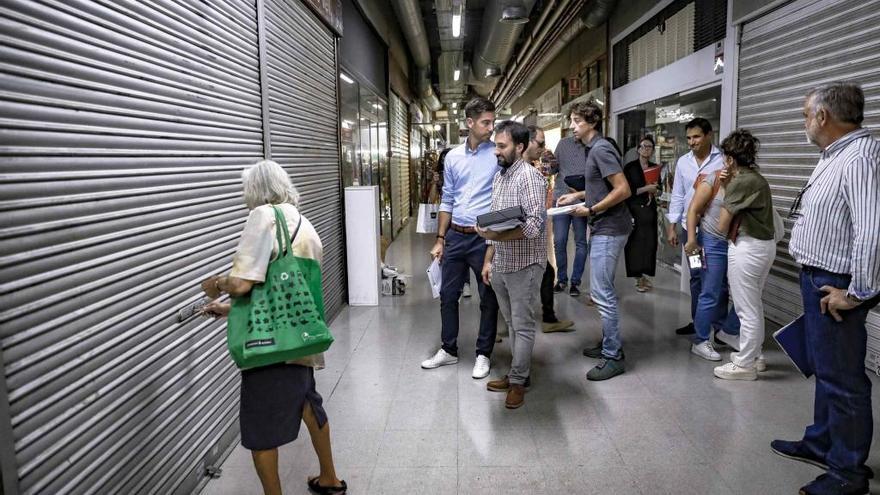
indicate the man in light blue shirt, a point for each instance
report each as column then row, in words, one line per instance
column 467, row 192
column 704, row 158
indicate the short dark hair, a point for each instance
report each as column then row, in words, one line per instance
column 477, row 107
column 648, row 137
column 844, row 101
column 700, row 122
column 533, row 131
column 742, row 146
column 517, row 132
column 590, row 111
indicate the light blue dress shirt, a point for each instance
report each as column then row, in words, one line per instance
column 686, row 172
column 467, row 182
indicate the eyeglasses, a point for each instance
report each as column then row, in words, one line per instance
column 646, row 146
column 795, row 212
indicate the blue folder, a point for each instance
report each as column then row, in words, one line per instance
column 792, row 338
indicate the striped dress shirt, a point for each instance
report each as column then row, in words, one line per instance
column 839, row 228
column 521, row 185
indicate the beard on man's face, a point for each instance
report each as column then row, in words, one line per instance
column 506, row 160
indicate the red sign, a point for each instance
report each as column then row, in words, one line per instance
column 574, row 86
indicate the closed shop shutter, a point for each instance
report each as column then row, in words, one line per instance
column 304, row 128
column 125, row 128
column 782, row 56
column 400, row 189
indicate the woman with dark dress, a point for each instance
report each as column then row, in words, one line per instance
column 640, row 252
column 275, row 399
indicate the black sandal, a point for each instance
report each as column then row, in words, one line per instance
column 326, row 490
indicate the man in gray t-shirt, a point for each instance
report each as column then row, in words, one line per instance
column 611, row 223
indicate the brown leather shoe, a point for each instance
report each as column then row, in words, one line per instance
column 516, row 396
column 498, row 385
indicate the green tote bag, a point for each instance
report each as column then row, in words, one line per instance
column 281, row 319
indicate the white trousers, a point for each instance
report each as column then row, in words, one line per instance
column 748, row 264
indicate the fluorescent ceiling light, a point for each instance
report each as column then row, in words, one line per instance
column 454, row 104
column 437, row 127
column 456, row 25
column 456, row 74
column 344, row 77
column 377, row 106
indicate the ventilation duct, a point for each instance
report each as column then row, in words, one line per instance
column 497, row 43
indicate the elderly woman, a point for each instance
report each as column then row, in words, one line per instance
column 275, row 398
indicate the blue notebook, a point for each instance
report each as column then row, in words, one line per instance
column 792, row 338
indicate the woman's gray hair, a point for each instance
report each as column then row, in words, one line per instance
column 265, row 182
column 844, row 101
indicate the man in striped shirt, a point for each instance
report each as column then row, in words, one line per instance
column 836, row 239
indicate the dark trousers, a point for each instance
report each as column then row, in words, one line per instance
column 547, row 294
column 696, row 276
column 842, row 424
column 463, row 251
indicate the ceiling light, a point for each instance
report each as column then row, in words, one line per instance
column 377, row 106
column 454, row 104
column 493, row 72
column 456, row 74
column 345, row 78
column 437, row 127
column 456, row 25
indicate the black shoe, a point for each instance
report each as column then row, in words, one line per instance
column 827, row 484
column 314, row 487
column 559, row 287
column 574, row 291
column 686, row 330
column 594, row 352
column 797, row 452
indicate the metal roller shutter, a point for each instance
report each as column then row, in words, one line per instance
column 782, row 56
column 305, row 128
column 400, row 195
column 125, row 127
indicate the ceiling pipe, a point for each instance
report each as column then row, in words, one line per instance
column 535, row 42
column 497, row 42
column 594, row 14
column 409, row 14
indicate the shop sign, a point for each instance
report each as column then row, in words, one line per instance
column 673, row 113
column 330, row 11
column 574, row 86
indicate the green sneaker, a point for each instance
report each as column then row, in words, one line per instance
column 594, row 352
column 607, row 368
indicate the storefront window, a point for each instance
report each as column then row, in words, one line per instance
column 665, row 119
column 350, row 131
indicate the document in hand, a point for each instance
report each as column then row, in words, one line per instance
column 435, row 278
column 792, row 338
column 562, row 210
column 501, row 220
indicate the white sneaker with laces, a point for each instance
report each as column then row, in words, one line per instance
column 731, row 371
column 442, row 358
column 481, row 367
column 705, row 351
column 727, row 339
column 761, row 364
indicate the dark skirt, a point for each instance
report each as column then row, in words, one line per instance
column 641, row 247
column 272, row 401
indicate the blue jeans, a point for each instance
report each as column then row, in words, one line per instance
column 561, row 224
column 604, row 252
column 714, row 292
column 695, row 275
column 463, row 251
column 842, row 423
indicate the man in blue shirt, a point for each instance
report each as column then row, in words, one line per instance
column 467, row 193
column 704, row 158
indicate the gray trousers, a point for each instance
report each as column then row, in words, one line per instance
column 520, row 304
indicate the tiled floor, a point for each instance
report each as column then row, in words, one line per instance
column 666, row 426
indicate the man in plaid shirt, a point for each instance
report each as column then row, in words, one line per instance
column 516, row 258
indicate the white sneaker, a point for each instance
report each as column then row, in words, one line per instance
column 761, row 364
column 705, row 351
column 466, row 291
column 731, row 371
column 481, row 367
column 727, row 339
column 442, row 358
